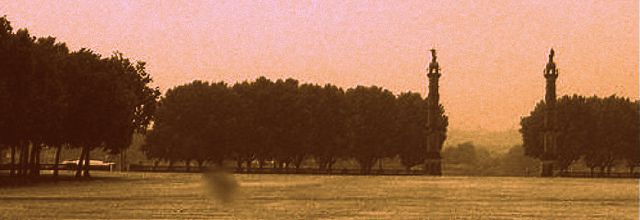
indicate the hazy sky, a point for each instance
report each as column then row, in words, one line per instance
column 492, row 53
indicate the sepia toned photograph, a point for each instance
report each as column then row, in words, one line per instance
column 319, row 109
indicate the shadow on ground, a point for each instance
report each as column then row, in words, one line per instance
column 7, row 181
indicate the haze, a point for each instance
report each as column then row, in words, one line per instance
column 492, row 53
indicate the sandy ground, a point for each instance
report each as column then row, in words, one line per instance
column 186, row 196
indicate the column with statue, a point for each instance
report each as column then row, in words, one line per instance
column 550, row 127
column 435, row 123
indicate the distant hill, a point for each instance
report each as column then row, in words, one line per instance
column 495, row 141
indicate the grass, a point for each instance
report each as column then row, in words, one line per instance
column 184, row 196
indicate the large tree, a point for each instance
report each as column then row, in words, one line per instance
column 599, row 130
column 411, row 138
column 51, row 98
column 371, row 124
column 327, row 108
column 245, row 129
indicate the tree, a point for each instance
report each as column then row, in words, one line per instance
column 326, row 136
column 288, row 118
column 220, row 122
column 31, row 94
column 54, row 98
column 573, row 130
column 464, row 153
column 615, row 134
column 245, row 129
column 50, row 102
column 601, row 130
column 515, row 163
column 19, row 71
column 264, row 102
column 157, row 145
column 631, row 152
column 8, row 137
column 371, row 125
column 411, row 137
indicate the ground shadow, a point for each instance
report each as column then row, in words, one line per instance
column 7, row 181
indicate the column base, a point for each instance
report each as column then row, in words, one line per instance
column 547, row 168
column 433, row 167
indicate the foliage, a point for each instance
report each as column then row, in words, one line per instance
column 52, row 97
column 284, row 122
column 471, row 160
column 602, row 131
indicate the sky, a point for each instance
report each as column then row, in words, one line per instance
column 492, row 53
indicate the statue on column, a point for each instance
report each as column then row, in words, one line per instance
column 548, row 157
column 435, row 127
column 433, row 55
column 433, row 66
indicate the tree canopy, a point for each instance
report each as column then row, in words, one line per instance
column 283, row 123
column 600, row 131
column 52, row 97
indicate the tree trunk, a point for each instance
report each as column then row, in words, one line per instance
column 330, row 163
column 200, row 165
column 87, row 163
column 322, row 165
column 155, row 165
column 80, row 162
column 24, row 151
column 12, row 172
column 36, row 165
column 220, row 162
column 123, row 161
column 170, row 168
column 239, row 164
column 25, row 163
column 32, row 160
column 187, row 163
column 56, row 160
column 20, row 159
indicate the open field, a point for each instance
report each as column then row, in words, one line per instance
column 183, row 196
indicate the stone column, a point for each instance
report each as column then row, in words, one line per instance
column 550, row 132
column 435, row 128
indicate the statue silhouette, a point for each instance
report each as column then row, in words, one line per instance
column 433, row 55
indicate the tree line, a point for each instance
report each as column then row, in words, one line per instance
column 284, row 122
column 469, row 159
column 602, row 132
column 51, row 97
